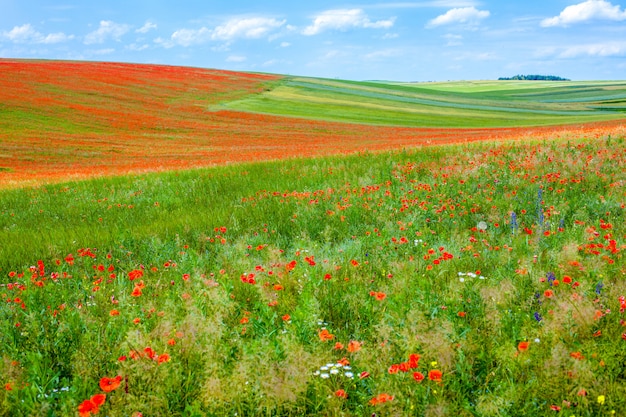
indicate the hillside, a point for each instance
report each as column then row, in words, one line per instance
column 65, row 120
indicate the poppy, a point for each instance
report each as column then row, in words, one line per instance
column 163, row 358
column 341, row 393
column 435, row 375
column 418, row 376
column 110, row 384
column 414, row 360
column 523, row 346
column 325, row 335
column 354, row 346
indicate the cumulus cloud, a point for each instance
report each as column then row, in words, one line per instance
column 106, row 30
column 606, row 49
column 588, row 10
column 147, row 27
column 469, row 15
column 249, row 28
column 28, row 34
column 344, row 19
column 236, row 28
column 188, row 37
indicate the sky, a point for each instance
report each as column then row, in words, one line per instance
column 435, row 40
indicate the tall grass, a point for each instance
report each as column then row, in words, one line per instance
column 325, row 286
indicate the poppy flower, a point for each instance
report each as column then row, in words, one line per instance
column 341, row 393
column 435, row 375
column 414, row 360
column 325, row 335
column 354, row 346
column 86, row 408
column 418, row 376
column 381, row 398
column 110, row 384
column 523, row 346
column 164, row 357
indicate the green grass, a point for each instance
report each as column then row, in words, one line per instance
column 454, row 104
column 412, row 252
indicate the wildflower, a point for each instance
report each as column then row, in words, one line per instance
column 523, row 346
column 601, row 399
column 150, row 353
column 164, row 357
column 354, row 346
column 134, row 274
column 8, row 387
column 114, row 312
column 381, row 398
column 286, row 317
column 548, row 293
column 110, row 384
column 364, row 375
column 435, row 375
column 136, row 292
column 537, row 316
column 418, row 376
column 341, row 393
column 554, row 407
column 325, row 335
column 86, row 408
column 414, row 360
column 577, row 355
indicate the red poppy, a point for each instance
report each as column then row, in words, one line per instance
column 354, row 346
column 435, row 375
column 523, row 346
column 325, row 335
column 134, row 274
column 341, row 393
column 414, row 360
column 418, row 376
column 381, row 398
column 110, row 384
column 164, row 357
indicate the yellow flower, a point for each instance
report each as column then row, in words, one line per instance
column 601, row 399
column 433, row 363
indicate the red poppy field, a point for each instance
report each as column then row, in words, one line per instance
column 74, row 120
column 303, row 267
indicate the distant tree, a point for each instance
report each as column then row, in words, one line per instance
column 535, row 78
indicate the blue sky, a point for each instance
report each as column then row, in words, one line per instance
column 434, row 40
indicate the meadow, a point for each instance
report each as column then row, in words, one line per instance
column 482, row 278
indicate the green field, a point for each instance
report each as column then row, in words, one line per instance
column 450, row 104
column 477, row 279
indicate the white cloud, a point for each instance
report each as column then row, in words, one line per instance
column 107, row 29
column 469, row 15
column 588, row 10
column 27, row 34
column 136, row 47
column 606, row 49
column 147, row 27
column 248, row 28
column 188, row 37
column 423, row 4
column 344, row 19
column 285, row 44
column 236, row 58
